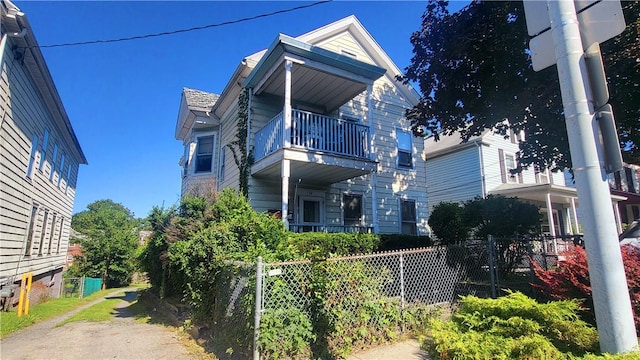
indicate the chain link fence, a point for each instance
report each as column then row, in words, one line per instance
column 358, row 301
column 79, row 286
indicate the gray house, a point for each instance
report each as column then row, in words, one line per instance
column 39, row 158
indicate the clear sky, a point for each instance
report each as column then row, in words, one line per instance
column 122, row 98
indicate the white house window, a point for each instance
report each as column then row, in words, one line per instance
column 61, row 169
column 352, row 214
column 408, row 217
column 405, row 149
column 31, row 229
column 204, row 154
column 32, row 157
column 45, row 144
column 542, row 177
column 45, row 226
column 53, row 162
column 509, row 165
column 60, row 235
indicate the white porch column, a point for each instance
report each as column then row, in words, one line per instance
column 616, row 214
column 552, row 225
column 286, row 164
column 370, row 120
column 372, row 156
column 567, row 221
column 286, row 173
column 287, row 104
column 575, row 216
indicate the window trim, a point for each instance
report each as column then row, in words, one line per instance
column 195, row 153
column 35, row 210
column 32, row 156
column 510, row 178
column 53, row 161
column 410, row 150
column 43, row 151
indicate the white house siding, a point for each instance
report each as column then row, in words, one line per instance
column 454, row 177
column 346, row 42
column 23, row 116
column 491, row 161
column 228, row 130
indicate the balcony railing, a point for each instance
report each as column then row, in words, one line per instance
column 314, row 132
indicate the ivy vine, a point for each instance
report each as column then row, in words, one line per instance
column 241, row 156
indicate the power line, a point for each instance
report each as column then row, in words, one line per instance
column 138, row 37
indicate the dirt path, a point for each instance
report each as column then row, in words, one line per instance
column 119, row 338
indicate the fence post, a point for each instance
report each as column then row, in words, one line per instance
column 81, row 294
column 532, row 276
column 402, row 281
column 256, row 322
column 492, row 266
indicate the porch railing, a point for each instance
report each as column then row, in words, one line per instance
column 314, row 132
column 331, row 228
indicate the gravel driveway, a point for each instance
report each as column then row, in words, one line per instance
column 119, row 338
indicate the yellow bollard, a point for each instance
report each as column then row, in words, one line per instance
column 26, row 302
column 23, row 281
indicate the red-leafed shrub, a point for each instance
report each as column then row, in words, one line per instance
column 570, row 280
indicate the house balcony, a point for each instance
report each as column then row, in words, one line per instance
column 323, row 149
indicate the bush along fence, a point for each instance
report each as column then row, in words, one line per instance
column 331, row 308
column 79, row 287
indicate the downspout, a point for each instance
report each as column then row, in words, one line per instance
column 483, row 183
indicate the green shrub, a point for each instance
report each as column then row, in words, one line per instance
column 312, row 245
column 447, row 220
column 285, row 333
column 513, row 327
column 389, row 242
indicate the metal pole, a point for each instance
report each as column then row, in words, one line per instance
column 402, row 281
column 492, row 266
column 258, row 310
column 614, row 316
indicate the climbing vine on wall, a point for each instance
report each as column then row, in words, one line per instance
column 241, row 155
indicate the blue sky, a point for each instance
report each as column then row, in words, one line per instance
column 122, row 98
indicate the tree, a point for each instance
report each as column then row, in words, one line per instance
column 510, row 221
column 108, row 251
column 447, row 220
column 474, row 71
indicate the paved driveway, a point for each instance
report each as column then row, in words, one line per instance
column 119, row 338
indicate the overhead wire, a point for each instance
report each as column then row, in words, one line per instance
column 195, row 28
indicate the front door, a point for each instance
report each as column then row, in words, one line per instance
column 311, row 210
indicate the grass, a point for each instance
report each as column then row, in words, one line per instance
column 101, row 311
column 10, row 322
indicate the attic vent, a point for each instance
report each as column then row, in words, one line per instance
column 349, row 54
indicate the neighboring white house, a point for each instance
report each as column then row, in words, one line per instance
column 457, row 172
column 39, row 159
column 333, row 150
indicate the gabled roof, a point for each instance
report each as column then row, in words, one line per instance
column 315, row 38
column 194, row 103
column 15, row 21
column 452, row 143
column 199, row 100
column 284, row 43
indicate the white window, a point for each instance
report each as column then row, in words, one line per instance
column 60, row 235
column 405, row 149
column 45, row 226
column 31, row 229
column 510, row 164
column 542, row 177
column 45, row 144
column 352, row 209
column 204, row 154
column 53, row 161
column 408, row 217
column 52, row 235
column 32, row 157
column 61, row 169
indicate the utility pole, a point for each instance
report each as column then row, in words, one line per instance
column 612, row 305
